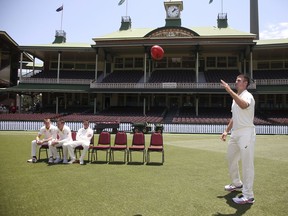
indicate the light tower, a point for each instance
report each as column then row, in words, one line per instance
column 254, row 19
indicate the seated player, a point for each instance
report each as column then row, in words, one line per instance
column 64, row 135
column 83, row 138
column 47, row 133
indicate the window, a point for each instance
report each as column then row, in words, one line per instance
column 80, row 66
column 211, row 62
column 68, row 66
column 188, row 62
column 119, row 63
column 276, row 65
column 174, row 62
column 162, row 63
column 91, row 66
column 128, row 63
column 232, row 61
column 221, row 62
column 54, row 65
column 139, row 62
column 263, row 65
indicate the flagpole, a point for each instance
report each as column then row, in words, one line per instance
column 62, row 17
column 126, row 8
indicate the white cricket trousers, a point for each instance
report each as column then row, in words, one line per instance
column 72, row 145
column 34, row 147
column 53, row 150
column 241, row 147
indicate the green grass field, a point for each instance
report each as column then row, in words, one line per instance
column 189, row 183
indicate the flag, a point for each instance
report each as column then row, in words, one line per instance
column 210, row 1
column 121, row 2
column 59, row 9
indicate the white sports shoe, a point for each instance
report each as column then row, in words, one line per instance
column 32, row 160
column 72, row 161
column 241, row 199
column 232, row 187
column 65, row 161
column 51, row 160
column 57, row 160
column 81, row 162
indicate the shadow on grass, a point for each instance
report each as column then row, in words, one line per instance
column 117, row 162
column 135, row 163
column 154, row 164
column 99, row 162
column 42, row 160
column 240, row 209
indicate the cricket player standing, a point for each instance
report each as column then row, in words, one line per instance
column 242, row 140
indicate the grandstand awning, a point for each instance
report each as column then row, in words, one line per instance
column 9, row 45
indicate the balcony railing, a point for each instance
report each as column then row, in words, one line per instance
column 162, row 85
column 272, row 82
column 170, row 85
column 54, row 81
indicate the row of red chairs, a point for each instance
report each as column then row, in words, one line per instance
column 120, row 144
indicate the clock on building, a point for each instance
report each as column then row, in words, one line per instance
column 173, row 11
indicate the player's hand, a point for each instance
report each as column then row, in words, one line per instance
column 223, row 136
column 55, row 142
column 39, row 142
column 225, row 85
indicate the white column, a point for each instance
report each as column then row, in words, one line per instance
column 197, row 105
column 58, row 68
column 96, row 67
column 18, row 102
column 95, row 105
column 33, row 66
column 21, row 62
column 251, row 65
column 197, row 67
column 144, row 106
column 145, row 67
column 105, row 72
column 57, row 105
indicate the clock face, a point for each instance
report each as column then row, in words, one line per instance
column 173, row 11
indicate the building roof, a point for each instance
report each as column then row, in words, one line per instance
column 60, row 45
column 281, row 42
column 8, row 44
column 201, row 31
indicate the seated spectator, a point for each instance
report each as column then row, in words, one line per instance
column 83, row 138
column 12, row 108
column 48, row 132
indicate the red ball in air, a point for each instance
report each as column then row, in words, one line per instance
column 157, row 52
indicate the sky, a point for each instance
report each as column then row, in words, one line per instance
column 31, row 22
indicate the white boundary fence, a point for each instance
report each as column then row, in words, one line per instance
column 168, row 128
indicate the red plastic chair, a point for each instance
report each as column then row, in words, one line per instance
column 156, row 145
column 45, row 148
column 79, row 148
column 138, row 145
column 104, row 144
column 120, row 144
